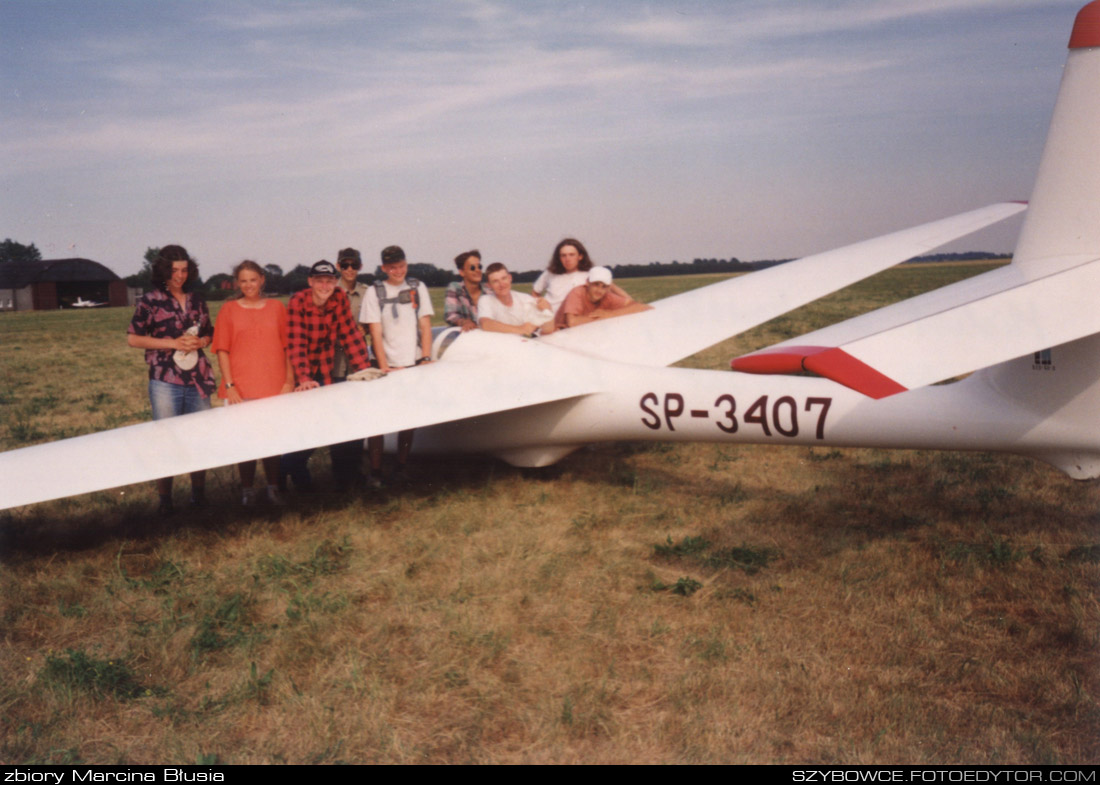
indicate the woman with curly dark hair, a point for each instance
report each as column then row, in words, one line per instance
column 172, row 325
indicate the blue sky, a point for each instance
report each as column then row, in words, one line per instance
column 652, row 131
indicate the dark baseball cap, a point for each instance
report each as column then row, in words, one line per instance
column 392, row 254
column 323, row 267
column 349, row 253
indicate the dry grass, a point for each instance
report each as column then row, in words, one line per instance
column 664, row 603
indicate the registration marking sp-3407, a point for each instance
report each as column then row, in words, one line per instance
column 780, row 418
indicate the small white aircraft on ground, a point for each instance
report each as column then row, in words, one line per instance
column 1031, row 330
column 80, row 302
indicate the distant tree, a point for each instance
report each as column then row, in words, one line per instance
column 427, row 274
column 274, row 280
column 216, row 280
column 11, row 251
column 430, row 275
column 143, row 279
column 296, row 280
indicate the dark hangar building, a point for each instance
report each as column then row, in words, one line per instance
column 50, row 284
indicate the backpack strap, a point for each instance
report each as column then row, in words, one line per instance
column 414, row 297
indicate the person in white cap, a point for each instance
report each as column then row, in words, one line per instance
column 595, row 300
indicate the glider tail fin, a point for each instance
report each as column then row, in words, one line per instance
column 1062, row 230
column 1062, row 225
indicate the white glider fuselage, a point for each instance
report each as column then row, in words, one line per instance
column 1037, row 414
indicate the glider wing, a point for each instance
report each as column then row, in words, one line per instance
column 460, row 386
column 684, row 324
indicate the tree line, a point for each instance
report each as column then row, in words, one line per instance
column 220, row 285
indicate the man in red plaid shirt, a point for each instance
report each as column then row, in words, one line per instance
column 317, row 319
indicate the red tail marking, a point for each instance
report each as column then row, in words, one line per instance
column 1086, row 28
column 832, row 363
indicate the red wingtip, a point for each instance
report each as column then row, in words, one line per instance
column 835, row 364
column 1086, row 28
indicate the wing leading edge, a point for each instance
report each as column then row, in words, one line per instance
column 682, row 325
column 460, row 386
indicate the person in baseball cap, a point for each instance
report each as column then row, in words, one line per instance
column 319, row 318
column 595, row 300
column 347, row 457
column 398, row 313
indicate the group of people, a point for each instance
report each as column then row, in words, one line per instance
column 320, row 338
column 571, row 291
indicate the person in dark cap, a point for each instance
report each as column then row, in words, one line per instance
column 349, row 263
column 398, row 313
column 319, row 318
column 347, row 457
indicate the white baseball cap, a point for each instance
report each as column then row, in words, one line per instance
column 599, row 275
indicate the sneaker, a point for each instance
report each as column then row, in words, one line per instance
column 273, row 496
column 248, row 497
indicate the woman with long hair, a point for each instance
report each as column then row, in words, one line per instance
column 172, row 324
column 250, row 340
column 568, row 269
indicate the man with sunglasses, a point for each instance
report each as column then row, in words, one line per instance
column 350, row 263
column 398, row 314
column 461, row 298
column 347, row 457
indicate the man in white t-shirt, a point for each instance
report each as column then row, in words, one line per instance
column 398, row 314
column 505, row 311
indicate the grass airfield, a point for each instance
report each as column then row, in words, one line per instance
column 635, row 603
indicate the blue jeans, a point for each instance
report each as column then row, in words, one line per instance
column 169, row 400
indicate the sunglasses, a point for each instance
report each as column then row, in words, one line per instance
column 353, row 265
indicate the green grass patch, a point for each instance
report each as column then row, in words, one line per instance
column 688, row 546
column 326, row 558
column 225, row 626
column 748, row 559
column 1087, row 554
column 996, row 552
column 77, row 671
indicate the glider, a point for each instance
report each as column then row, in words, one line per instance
column 1028, row 334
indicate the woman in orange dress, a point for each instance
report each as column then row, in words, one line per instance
column 250, row 340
